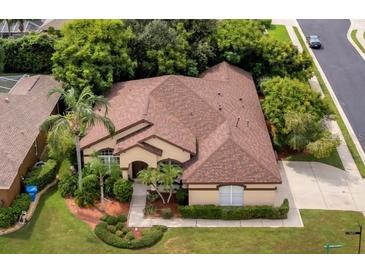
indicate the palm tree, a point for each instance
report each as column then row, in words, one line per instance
column 151, row 177
column 98, row 168
column 78, row 118
column 169, row 172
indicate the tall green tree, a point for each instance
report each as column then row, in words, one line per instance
column 168, row 174
column 93, row 54
column 78, row 118
column 101, row 171
column 151, row 177
column 245, row 43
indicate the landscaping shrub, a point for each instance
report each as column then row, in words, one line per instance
column 67, row 184
column 113, row 220
column 119, row 226
column 149, row 237
column 112, row 228
column 235, row 212
column 150, row 210
column 89, row 192
column 123, row 190
column 182, row 196
column 2, row 58
column 108, row 187
column 10, row 215
column 43, row 175
column 29, row 54
column 152, row 196
column 119, row 233
column 166, row 213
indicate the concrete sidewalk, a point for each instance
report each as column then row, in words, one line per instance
column 138, row 203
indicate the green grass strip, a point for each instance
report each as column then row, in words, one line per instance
column 353, row 37
column 350, row 143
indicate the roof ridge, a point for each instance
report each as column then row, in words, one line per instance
column 226, row 138
column 254, row 158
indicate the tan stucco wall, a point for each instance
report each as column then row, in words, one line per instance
column 203, row 197
column 250, row 197
column 110, row 142
column 169, row 151
column 138, row 154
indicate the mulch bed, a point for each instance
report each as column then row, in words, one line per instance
column 158, row 204
column 92, row 215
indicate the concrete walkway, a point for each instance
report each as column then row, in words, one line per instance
column 138, row 203
column 319, row 186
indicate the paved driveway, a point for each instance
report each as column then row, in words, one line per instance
column 344, row 68
column 319, row 186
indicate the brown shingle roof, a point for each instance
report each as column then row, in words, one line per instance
column 22, row 111
column 218, row 117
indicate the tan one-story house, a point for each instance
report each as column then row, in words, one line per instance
column 22, row 110
column 213, row 126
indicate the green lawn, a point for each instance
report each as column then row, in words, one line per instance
column 333, row 160
column 353, row 37
column 279, row 32
column 350, row 143
column 54, row 230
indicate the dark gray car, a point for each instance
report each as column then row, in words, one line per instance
column 314, row 42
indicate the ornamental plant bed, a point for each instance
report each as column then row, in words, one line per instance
column 113, row 231
column 154, row 208
column 91, row 215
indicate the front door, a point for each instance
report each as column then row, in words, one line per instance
column 137, row 167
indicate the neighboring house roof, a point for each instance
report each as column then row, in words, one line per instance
column 217, row 118
column 54, row 23
column 29, row 26
column 22, row 111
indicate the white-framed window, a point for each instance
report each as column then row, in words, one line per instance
column 231, row 195
column 107, row 157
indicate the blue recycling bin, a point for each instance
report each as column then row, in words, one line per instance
column 32, row 191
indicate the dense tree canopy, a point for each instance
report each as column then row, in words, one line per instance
column 244, row 43
column 172, row 46
column 296, row 114
column 93, row 54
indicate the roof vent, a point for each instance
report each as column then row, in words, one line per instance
column 7, row 100
column 238, row 120
column 220, row 107
column 219, row 93
column 248, row 123
column 241, row 99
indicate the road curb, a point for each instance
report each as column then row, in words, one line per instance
column 353, row 42
column 335, row 100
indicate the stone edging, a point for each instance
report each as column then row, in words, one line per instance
column 30, row 212
column 335, row 100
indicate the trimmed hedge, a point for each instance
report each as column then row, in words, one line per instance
column 149, row 237
column 235, row 212
column 2, row 58
column 10, row 215
column 43, row 175
column 29, row 54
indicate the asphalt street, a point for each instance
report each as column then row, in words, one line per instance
column 344, row 69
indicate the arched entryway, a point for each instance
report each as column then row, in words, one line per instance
column 137, row 166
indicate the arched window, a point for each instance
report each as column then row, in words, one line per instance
column 107, row 157
column 231, row 195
